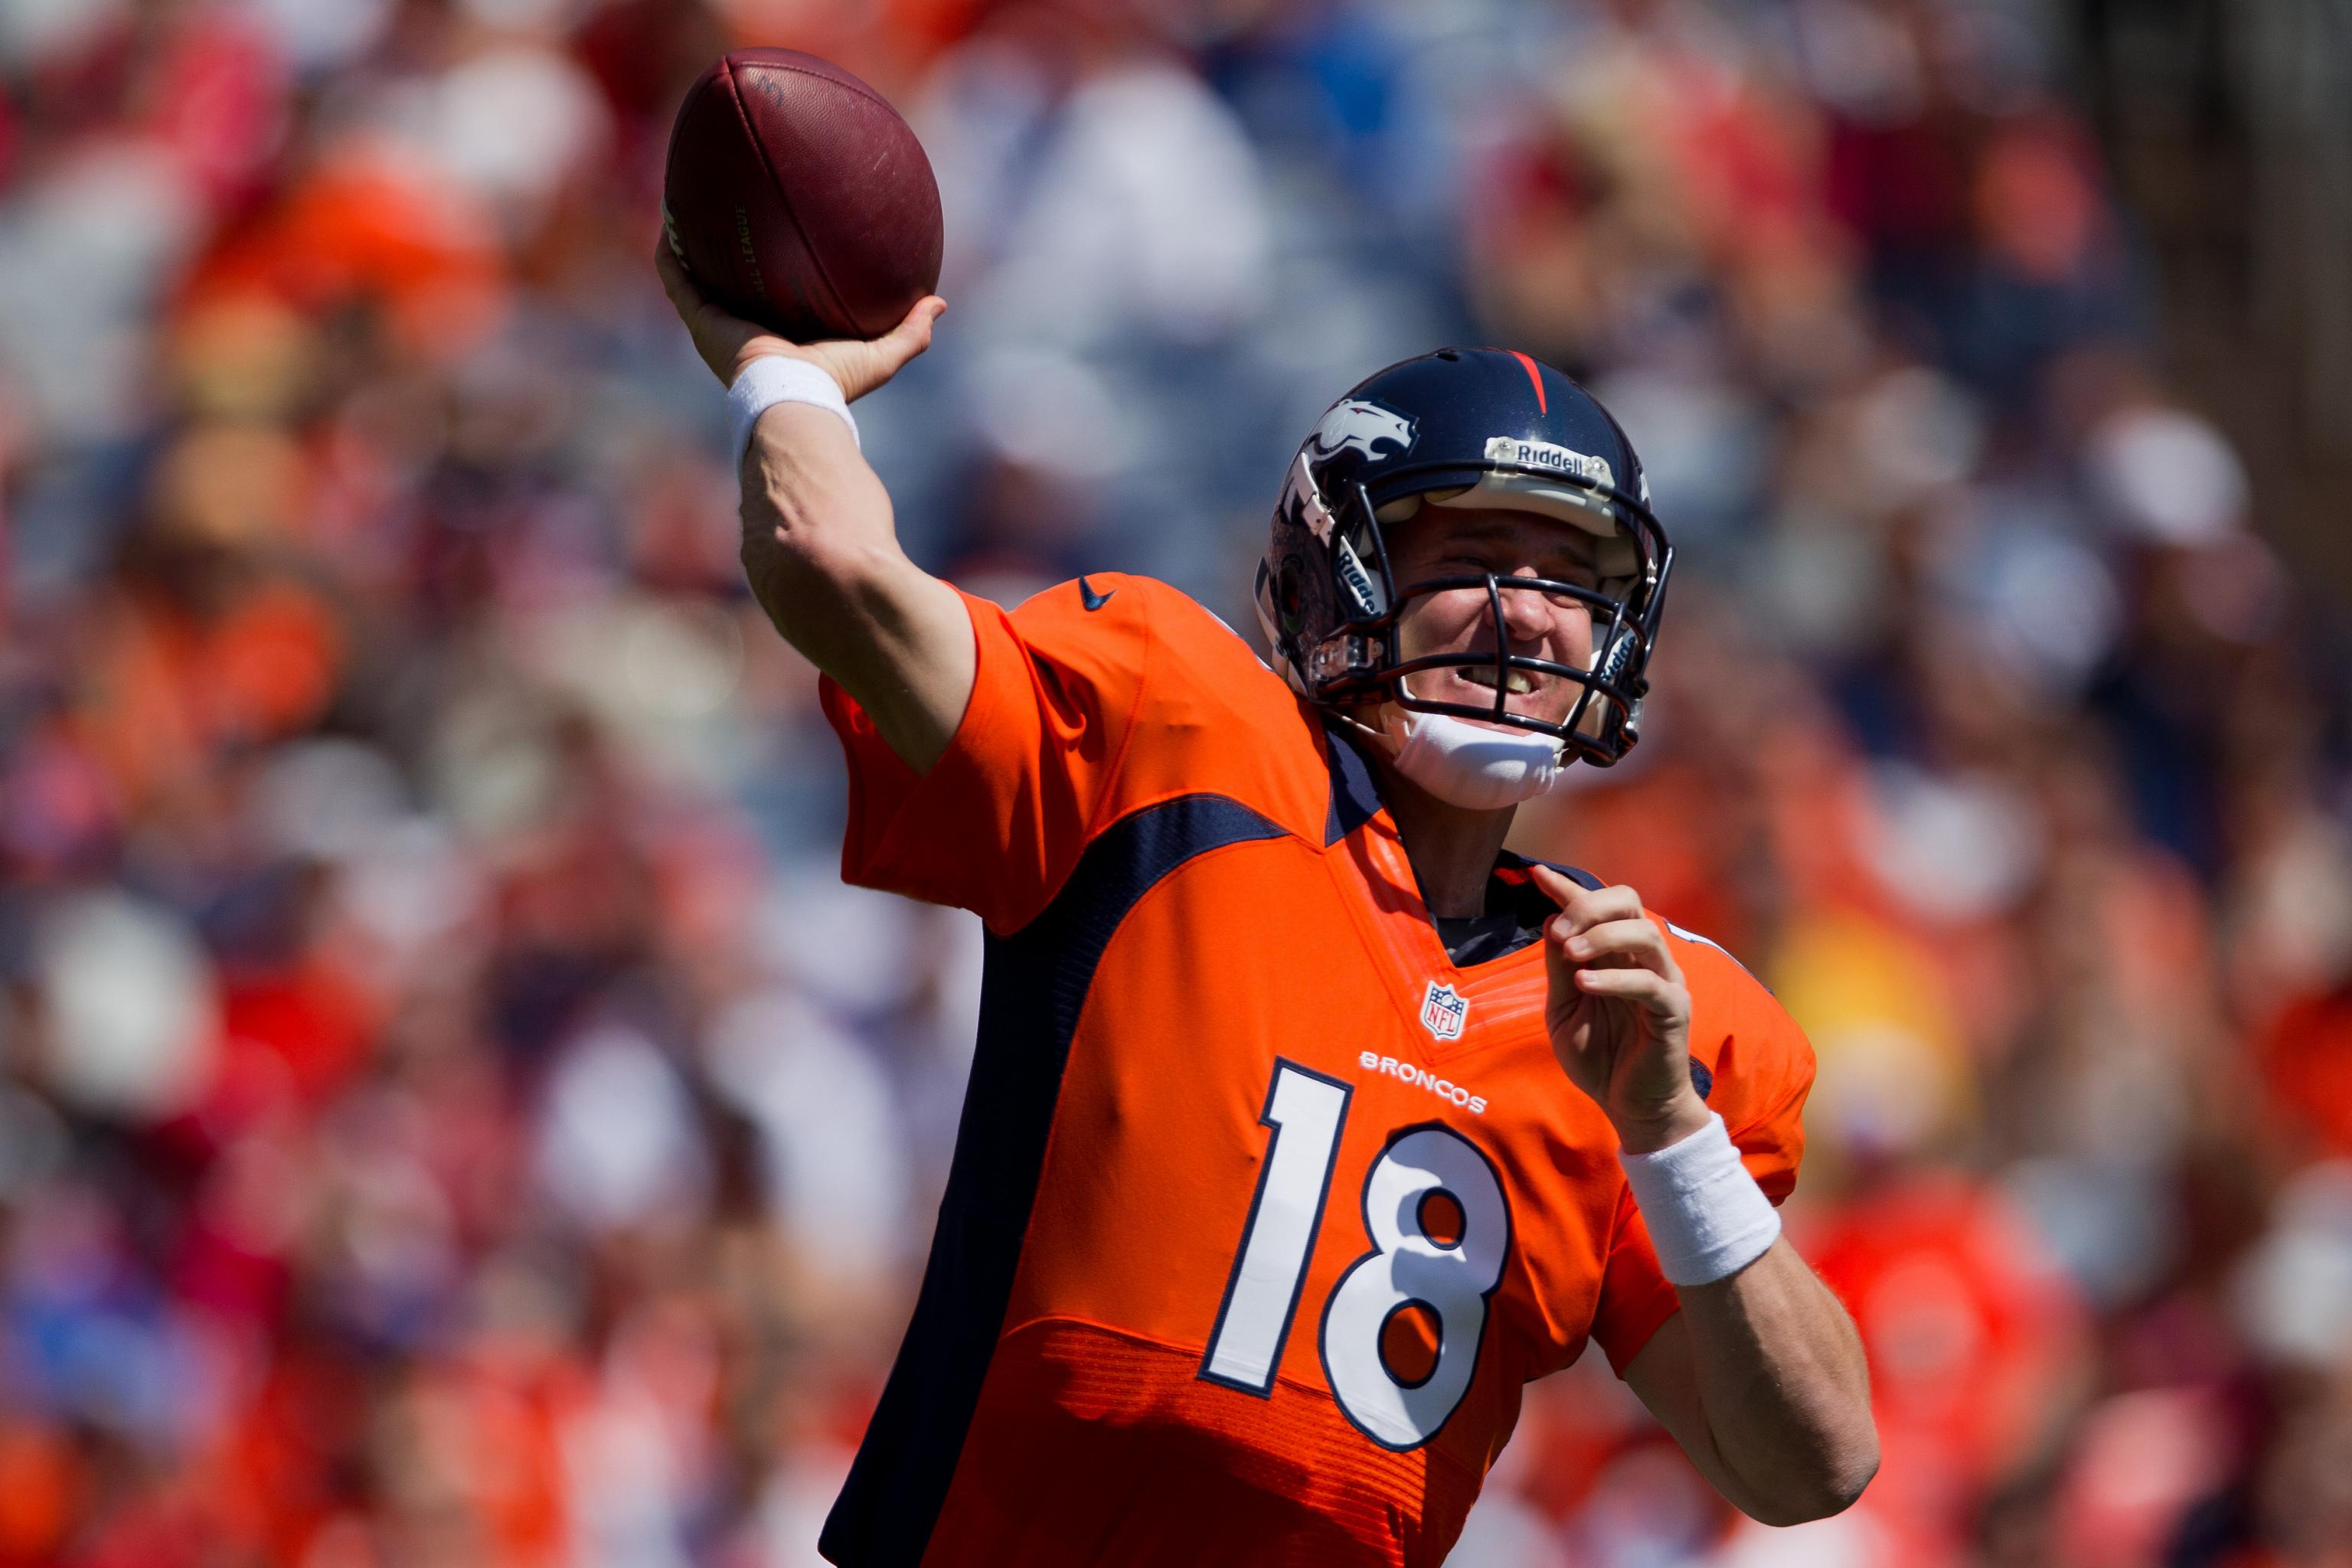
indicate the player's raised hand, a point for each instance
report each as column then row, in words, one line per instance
column 1618, row 1012
column 728, row 343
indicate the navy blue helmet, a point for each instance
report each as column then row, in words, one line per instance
column 1484, row 428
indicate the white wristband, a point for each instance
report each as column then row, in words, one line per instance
column 1707, row 1217
column 778, row 378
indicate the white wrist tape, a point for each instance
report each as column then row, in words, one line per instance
column 1706, row 1216
column 777, row 378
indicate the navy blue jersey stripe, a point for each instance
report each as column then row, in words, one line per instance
column 1355, row 797
column 1034, row 988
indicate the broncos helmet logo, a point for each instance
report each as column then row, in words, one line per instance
column 1354, row 423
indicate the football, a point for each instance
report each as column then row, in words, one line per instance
column 798, row 198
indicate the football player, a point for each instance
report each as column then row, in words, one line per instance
column 1306, row 1125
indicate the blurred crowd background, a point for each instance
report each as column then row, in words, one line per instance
column 452, row 1113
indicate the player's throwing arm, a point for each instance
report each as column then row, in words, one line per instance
column 820, row 544
column 835, row 252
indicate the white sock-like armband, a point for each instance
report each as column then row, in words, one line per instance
column 1706, row 1216
column 779, row 378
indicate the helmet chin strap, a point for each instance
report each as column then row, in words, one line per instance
column 1477, row 767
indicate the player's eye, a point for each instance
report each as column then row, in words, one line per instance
column 1576, row 569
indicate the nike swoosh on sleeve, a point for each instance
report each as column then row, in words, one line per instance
column 1088, row 597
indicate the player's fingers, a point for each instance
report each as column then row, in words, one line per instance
column 676, row 281
column 912, row 336
column 861, row 365
column 726, row 342
column 1553, row 885
column 1586, row 908
column 1645, row 987
column 1617, row 904
column 1636, row 938
column 1574, row 897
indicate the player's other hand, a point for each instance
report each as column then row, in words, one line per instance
column 727, row 343
column 1619, row 1012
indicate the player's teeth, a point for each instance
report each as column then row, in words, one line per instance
column 1516, row 682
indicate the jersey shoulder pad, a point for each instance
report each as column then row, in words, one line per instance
column 1740, row 1035
column 1211, row 717
column 1724, row 953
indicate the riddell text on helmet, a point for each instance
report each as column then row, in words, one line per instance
column 1545, row 455
column 1372, row 1062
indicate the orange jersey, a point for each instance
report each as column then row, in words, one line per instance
column 1262, row 1211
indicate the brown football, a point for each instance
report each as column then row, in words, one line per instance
column 799, row 199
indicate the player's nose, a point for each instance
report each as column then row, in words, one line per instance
column 1527, row 616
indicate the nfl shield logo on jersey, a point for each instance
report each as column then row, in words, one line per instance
column 1443, row 1011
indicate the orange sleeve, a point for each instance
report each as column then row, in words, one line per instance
column 1001, row 817
column 1634, row 1296
column 1763, row 1068
column 1766, row 1070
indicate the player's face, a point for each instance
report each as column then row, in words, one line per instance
column 1447, row 541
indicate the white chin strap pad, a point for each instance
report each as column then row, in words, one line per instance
column 1475, row 766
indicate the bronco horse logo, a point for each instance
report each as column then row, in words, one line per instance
column 1355, row 424
column 1348, row 424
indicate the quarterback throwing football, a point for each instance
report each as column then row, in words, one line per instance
column 1306, row 1125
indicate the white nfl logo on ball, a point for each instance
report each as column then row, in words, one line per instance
column 1444, row 1011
